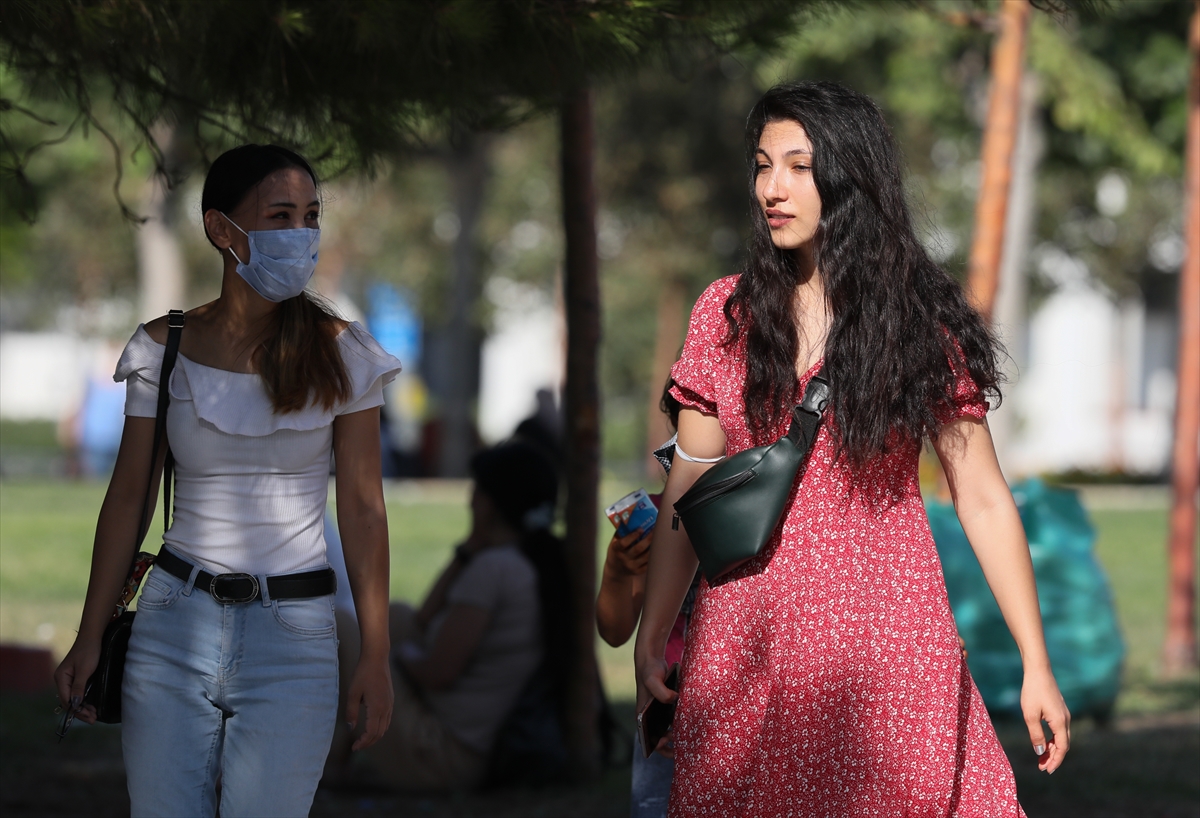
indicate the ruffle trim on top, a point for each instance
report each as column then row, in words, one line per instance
column 237, row 403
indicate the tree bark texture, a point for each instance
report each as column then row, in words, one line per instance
column 1179, row 646
column 455, row 379
column 999, row 138
column 668, row 337
column 581, row 285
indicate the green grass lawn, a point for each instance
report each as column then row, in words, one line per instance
column 1146, row 766
column 46, row 530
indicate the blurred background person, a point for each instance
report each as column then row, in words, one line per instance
column 91, row 434
column 496, row 618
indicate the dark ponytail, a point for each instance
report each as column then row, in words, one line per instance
column 299, row 360
column 523, row 483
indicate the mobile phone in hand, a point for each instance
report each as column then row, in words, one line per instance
column 655, row 717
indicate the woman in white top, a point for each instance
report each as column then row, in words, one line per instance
column 231, row 677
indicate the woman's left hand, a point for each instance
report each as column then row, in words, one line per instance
column 1042, row 701
column 371, row 687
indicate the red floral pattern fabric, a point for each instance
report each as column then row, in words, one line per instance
column 824, row 677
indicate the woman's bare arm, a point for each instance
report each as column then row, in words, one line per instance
column 622, row 586
column 435, row 600
column 112, row 554
column 992, row 524
column 455, row 643
column 362, row 523
column 672, row 560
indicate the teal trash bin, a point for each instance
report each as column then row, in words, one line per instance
column 1082, row 637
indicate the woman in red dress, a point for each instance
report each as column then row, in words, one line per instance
column 824, row 677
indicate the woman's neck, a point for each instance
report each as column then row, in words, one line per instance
column 811, row 310
column 810, row 288
column 239, row 313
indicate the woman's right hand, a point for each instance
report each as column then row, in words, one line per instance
column 651, row 676
column 629, row 555
column 72, row 676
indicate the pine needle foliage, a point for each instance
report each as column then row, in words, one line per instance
column 348, row 81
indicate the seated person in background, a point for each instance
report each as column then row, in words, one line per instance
column 460, row 662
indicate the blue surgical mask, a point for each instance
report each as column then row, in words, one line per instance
column 281, row 261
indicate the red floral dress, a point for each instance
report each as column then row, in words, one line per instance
column 824, row 677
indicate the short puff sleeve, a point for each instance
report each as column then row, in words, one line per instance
column 369, row 366
column 966, row 399
column 139, row 368
column 695, row 385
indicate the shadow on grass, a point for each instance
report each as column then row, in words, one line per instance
column 1139, row 768
column 84, row 776
column 1145, row 765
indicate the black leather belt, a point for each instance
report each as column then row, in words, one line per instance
column 232, row 588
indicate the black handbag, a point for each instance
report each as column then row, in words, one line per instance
column 104, row 686
column 733, row 509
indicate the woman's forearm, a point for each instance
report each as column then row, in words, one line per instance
column 998, row 539
column 435, row 600
column 618, row 605
column 364, row 542
column 362, row 523
column 672, row 566
column 118, row 523
column 672, row 560
column 992, row 524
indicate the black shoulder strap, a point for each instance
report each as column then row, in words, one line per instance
column 806, row 418
column 174, row 333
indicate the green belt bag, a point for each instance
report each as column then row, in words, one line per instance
column 734, row 508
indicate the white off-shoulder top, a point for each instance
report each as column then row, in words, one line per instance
column 250, row 485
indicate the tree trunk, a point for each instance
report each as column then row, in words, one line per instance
column 1179, row 647
column 1008, row 314
column 581, row 284
column 162, row 275
column 999, row 137
column 454, row 378
column 668, row 336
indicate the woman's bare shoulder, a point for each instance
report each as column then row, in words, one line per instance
column 157, row 330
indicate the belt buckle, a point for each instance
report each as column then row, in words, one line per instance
column 229, row 600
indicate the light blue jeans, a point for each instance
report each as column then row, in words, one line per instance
column 651, row 785
column 245, row 693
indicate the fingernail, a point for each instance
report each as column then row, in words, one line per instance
column 1039, row 748
column 76, row 702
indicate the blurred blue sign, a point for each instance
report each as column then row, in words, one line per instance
column 394, row 323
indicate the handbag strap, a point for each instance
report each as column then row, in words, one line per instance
column 175, row 322
column 807, row 415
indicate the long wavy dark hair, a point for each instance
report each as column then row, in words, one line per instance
column 898, row 319
column 299, row 359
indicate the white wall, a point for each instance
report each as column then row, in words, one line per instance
column 42, row 373
column 523, row 353
column 1077, row 402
